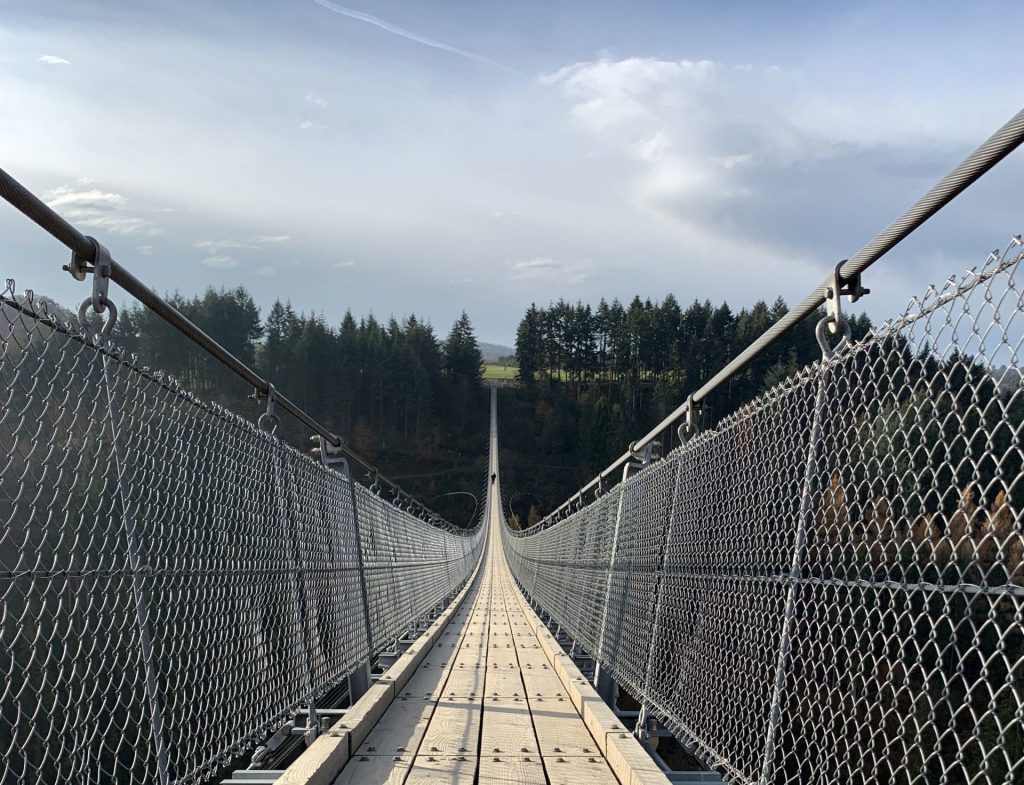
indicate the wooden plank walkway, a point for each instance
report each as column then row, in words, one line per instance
column 492, row 701
column 487, row 708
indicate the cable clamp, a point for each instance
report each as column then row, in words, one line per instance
column 839, row 286
column 328, row 454
column 101, row 266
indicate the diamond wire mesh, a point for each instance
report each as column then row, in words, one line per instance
column 169, row 571
column 828, row 586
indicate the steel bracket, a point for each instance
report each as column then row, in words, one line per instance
column 839, row 286
column 688, row 427
column 328, row 454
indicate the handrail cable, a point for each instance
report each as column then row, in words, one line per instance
column 83, row 247
column 992, row 151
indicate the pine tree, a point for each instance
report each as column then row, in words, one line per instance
column 462, row 358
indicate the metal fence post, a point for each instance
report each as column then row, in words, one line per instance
column 659, row 583
column 135, row 564
column 299, row 580
column 359, row 679
column 602, row 682
column 805, row 518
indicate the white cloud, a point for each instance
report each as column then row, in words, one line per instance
column 686, row 126
column 340, row 265
column 315, row 125
column 65, row 196
column 53, row 60
column 271, row 238
column 215, row 246
column 219, row 261
column 317, row 100
column 266, row 270
column 544, row 268
column 146, row 250
column 94, row 208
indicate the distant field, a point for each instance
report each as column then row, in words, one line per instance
column 495, row 371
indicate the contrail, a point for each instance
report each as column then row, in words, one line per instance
column 401, row 31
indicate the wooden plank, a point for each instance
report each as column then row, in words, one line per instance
column 375, row 770
column 631, row 763
column 428, row 681
column 438, row 770
column 578, row 770
column 469, row 657
column 465, row 682
column 454, row 728
column 560, row 730
column 504, row 683
column 543, row 683
column 401, row 729
column 500, row 770
column 505, row 657
column 507, row 728
column 317, row 765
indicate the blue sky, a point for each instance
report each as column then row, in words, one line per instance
column 402, row 157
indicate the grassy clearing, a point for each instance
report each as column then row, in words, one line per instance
column 495, row 371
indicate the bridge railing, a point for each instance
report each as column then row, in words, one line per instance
column 829, row 585
column 177, row 582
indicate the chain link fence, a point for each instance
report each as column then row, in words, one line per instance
column 828, row 586
column 175, row 582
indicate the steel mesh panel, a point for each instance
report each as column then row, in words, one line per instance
column 168, row 571
column 828, row 586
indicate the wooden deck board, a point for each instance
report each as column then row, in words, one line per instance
column 401, row 729
column 442, row 770
column 577, row 770
column 454, row 728
column 560, row 729
column 500, row 770
column 374, row 770
column 507, row 728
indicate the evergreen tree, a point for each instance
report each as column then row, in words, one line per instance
column 463, row 361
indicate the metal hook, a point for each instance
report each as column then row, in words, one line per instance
column 108, row 326
column 820, row 333
column 99, row 300
column 688, row 428
column 269, row 420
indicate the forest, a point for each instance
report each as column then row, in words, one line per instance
column 412, row 401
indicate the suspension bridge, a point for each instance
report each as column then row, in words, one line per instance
column 823, row 586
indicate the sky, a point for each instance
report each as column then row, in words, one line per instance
column 406, row 157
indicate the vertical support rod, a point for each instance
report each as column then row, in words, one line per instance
column 804, row 522
column 299, row 559
column 666, row 541
column 136, row 566
column 602, row 682
column 359, row 680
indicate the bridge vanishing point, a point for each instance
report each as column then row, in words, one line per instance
column 824, row 586
column 486, row 695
